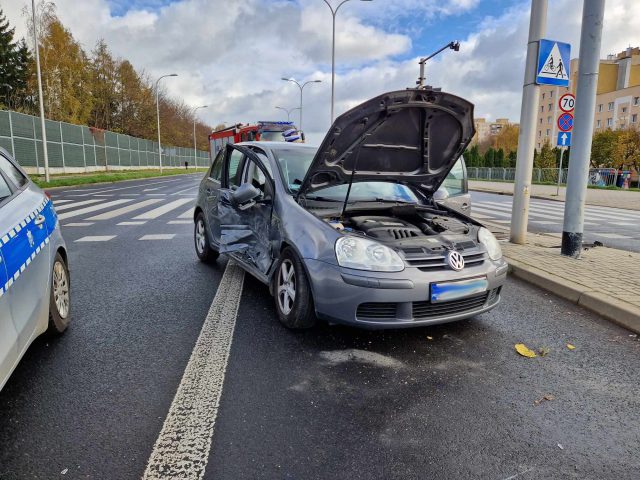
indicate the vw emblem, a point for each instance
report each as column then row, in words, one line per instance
column 455, row 260
column 30, row 237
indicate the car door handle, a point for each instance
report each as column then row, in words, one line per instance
column 39, row 220
column 465, row 206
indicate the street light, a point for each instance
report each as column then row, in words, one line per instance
column 40, row 99
column 455, row 46
column 288, row 110
column 333, row 49
column 195, row 151
column 301, row 87
column 158, row 113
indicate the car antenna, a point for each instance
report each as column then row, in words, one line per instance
column 353, row 170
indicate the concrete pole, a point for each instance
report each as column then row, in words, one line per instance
column 590, row 40
column 40, row 99
column 528, row 115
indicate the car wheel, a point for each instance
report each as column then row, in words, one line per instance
column 59, row 306
column 201, row 240
column 294, row 301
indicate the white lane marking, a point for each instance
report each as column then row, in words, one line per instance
column 158, row 236
column 179, row 222
column 609, row 235
column 625, row 224
column 156, row 194
column 185, row 190
column 59, row 202
column 145, row 184
column 545, row 222
column 489, row 212
column 182, row 448
column 93, row 208
column 142, row 222
column 103, row 195
column 78, row 224
column 187, row 214
column 151, row 189
column 156, row 212
column 558, row 207
column 122, row 210
column 505, row 208
column 77, row 204
column 96, row 238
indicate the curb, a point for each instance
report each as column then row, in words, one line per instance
column 621, row 313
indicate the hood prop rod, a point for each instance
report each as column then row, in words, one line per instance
column 353, row 171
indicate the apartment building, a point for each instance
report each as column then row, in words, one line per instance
column 617, row 96
column 486, row 130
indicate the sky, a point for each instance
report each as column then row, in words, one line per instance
column 232, row 54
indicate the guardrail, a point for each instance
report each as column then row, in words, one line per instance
column 601, row 177
column 79, row 149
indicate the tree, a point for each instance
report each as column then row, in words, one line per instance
column 489, row 158
column 602, row 148
column 499, row 159
column 103, row 87
column 626, row 150
column 472, row 156
column 512, row 158
column 15, row 60
column 507, row 138
column 546, row 157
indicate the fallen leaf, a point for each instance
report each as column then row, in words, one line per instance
column 543, row 351
column 522, row 349
column 570, row 347
column 547, row 398
column 561, row 447
column 64, row 472
column 429, row 338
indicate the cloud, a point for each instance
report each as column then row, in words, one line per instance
column 231, row 55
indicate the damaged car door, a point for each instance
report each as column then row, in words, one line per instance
column 245, row 206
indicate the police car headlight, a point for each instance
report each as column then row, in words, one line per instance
column 486, row 238
column 364, row 254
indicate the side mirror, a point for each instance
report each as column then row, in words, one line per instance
column 245, row 196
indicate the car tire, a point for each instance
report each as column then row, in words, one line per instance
column 294, row 300
column 59, row 296
column 201, row 241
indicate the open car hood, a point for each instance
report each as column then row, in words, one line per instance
column 411, row 136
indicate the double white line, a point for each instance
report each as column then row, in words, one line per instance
column 182, row 448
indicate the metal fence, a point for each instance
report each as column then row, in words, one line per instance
column 79, row 149
column 601, row 177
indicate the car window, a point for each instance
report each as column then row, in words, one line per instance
column 5, row 191
column 216, row 168
column 234, row 174
column 454, row 182
column 12, row 172
column 294, row 163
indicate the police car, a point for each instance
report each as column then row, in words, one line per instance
column 34, row 276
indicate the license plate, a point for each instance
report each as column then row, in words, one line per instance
column 445, row 292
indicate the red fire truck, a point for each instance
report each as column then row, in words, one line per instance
column 261, row 131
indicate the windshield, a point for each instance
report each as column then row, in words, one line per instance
column 294, row 163
column 271, row 136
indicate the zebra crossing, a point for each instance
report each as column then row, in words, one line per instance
column 620, row 227
column 120, row 210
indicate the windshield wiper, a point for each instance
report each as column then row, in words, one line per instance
column 321, row 198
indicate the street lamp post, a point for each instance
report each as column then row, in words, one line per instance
column 334, row 12
column 288, row 110
column 40, row 99
column 158, row 114
column 452, row 45
column 301, row 87
column 195, row 148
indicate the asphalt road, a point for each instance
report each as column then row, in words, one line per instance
column 614, row 227
column 451, row 401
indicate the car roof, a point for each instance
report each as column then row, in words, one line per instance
column 276, row 145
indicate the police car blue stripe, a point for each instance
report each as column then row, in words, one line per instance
column 19, row 251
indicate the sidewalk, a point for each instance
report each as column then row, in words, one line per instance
column 604, row 280
column 595, row 196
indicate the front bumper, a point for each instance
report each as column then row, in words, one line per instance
column 399, row 299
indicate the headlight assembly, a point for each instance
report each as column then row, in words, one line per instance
column 363, row 254
column 486, row 238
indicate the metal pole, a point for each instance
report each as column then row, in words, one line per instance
column 528, row 114
column 577, row 179
column 333, row 62
column 300, row 104
column 560, row 171
column 40, row 99
column 195, row 151
column 158, row 115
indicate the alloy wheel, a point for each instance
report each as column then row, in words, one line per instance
column 286, row 287
column 200, row 237
column 61, row 289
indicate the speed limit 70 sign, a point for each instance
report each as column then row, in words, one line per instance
column 567, row 102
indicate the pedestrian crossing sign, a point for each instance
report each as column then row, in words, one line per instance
column 553, row 63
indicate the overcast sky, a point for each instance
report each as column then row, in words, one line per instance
column 231, row 54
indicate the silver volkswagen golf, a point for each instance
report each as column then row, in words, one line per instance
column 350, row 232
column 34, row 278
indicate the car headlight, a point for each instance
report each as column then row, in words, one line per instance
column 486, row 238
column 364, row 254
